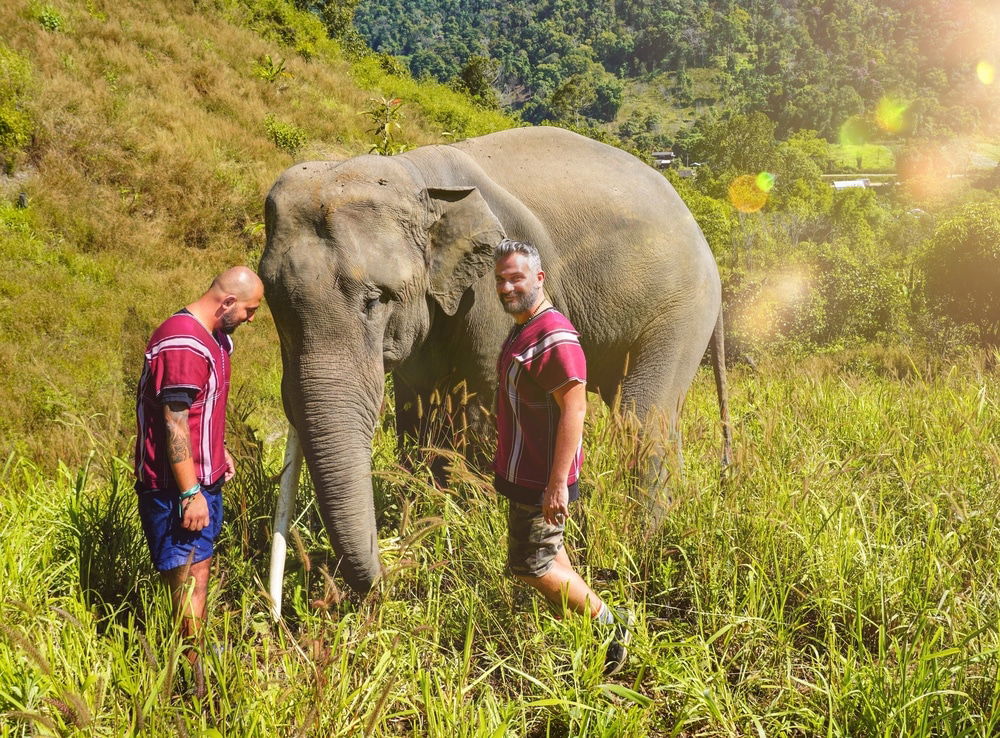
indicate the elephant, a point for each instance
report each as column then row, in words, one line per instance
column 380, row 264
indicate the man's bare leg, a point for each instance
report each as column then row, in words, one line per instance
column 562, row 580
column 189, row 601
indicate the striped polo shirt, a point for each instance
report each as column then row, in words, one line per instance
column 537, row 358
column 184, row 363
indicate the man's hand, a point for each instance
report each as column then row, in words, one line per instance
column 555, row 504
column 196, row 514
column 230, row 467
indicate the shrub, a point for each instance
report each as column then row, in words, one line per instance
column 777, row 308
column 385, row 116
column 16, row 123
column 270, row 70
column 863, row 296
column 284, row 135
column 962, row 268
column 49, row 18
column 280, row 21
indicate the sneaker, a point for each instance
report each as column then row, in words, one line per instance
column 617, row 653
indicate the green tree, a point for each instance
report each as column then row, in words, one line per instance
column 737, row 144
column 798, row 169
column 962, row 268
column 478, row 78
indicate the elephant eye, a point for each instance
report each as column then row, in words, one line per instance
column 374, row 298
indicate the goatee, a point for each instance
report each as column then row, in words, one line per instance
column 521, row 304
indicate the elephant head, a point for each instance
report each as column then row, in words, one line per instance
column 360, row 257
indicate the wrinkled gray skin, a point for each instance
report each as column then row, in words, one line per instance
column 379, row 264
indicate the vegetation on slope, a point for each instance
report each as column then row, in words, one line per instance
column 811, row 64
column 142, row 139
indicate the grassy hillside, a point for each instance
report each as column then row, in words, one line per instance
column 153, row 131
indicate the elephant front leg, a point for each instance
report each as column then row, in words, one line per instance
column 418, row 410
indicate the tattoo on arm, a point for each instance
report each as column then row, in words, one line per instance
column 178, row 433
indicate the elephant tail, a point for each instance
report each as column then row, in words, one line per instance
column 718, row 345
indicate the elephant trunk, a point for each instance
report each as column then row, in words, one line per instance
column 336, row 409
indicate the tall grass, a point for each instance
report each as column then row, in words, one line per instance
column 840, row 581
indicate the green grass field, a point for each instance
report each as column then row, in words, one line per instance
column 842, row 581
column 872, row 157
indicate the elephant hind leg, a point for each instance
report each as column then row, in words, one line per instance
column 660, row 370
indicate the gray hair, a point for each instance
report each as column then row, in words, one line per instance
column 509, row 246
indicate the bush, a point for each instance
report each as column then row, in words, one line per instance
column 962, row 268
column 284, row 135
column 280, row 21
column 826, row 295
column 863, row 296
column 768, row 310
column 16, row 123
column 49, row 18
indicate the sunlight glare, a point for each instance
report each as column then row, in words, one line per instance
column 890, row 115
column 746, row 195
column 765, row 181
column 986, row 72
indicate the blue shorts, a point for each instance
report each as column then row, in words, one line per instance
column 170, row 545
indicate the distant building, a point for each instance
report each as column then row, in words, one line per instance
column 663, row 159
column 847, row 184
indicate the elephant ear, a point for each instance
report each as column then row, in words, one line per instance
column 460, row 241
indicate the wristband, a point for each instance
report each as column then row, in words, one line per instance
column 186, row 495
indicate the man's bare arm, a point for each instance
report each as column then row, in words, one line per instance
column 572, row 401
column 195, row 509
column 175, row 415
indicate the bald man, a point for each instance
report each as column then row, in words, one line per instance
column 181, row 461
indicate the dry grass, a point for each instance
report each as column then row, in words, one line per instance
column 147, row 174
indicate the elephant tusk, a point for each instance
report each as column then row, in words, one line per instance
column 282, row 513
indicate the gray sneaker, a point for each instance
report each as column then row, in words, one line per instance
column 617, row 653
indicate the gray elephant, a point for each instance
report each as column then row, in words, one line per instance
column 379, row 264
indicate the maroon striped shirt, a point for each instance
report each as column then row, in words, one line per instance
column 183, row 360
column 537, row 358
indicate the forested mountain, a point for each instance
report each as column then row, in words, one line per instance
column 812, row 64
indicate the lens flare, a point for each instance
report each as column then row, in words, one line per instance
column 776, row 305
column 765, row 181
column 745, row 194
column 986, row 72
column 890, row 115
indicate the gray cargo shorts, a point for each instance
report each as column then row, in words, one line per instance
column 532, row 544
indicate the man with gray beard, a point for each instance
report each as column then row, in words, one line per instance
column 541, row 403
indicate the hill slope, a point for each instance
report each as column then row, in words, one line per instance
column 142, row 138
